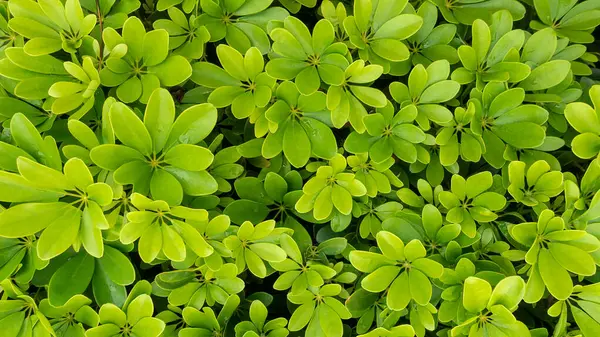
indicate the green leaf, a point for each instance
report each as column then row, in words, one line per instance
column 555, row 277
column 296, row 144
column 27, row 219
column 129, row 129
column 71, row 279
column 476, row 294
column 158, row 117
column 547, row 75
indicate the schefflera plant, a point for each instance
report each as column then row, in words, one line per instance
column 135, row 317
column 345, row 101
column 241, row 83
column 534, row 184
column 319, row 311
column 554, row 252
column 403, row 270
column 427, row 89
column 66, row 207
column 470, row 202
column 490, row 310
column 186, row 36
column 331, row 187
column 142, row 63
column 243, row 24
column 159, row 155
column 307, row 59
column 494, row 53
column 164, row 231
column 50, row 25
column 296, row 126
column 377, row 29
column 252, row 245
column 389, row 134
column 502, row 119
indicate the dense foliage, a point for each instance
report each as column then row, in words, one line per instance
column 273, row 168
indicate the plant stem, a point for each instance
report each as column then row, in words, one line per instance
column 101, row 26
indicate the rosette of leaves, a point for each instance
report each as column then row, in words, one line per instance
column 298, row 126
column 307, row 59
column 377, row 177
column 456, row 138
column 78, row 96
column 582, row 308
column 173, row 319
column 72, row 318
column 427, row 88
column 158, row 155
column 451, row 308
column 586, row 121
column 145, row 66
column 336, row 14
column 573, row 20
column 534, row 184
column 493, row 54
column 197, row 286
column 389, row 134
column 466, row 11
column 553, row 253
column 259, row 326
column 375, row 214
column 492, row 310
column 225, row 167
column 436, row 234
column 241, row 83
column 71, row 273
column 8, row 37
column 402, row 270
column 186, row 37
column 205, row 322
column 345, row 101
column 377, row 29
column 32, row 75
column 134, row 318
column 319, row 311
column 501, row 118
column 163, row 231
column 75, row 220
column 469, row 202
column 213, row 232
column 20, row 315
column 431, row 42
column 252, row 245
column 50, row 25
column 243, row 24
column 331, row 187
column 547, row 71
column 296, row 274
column 19, row 259
column 275, row 193
column 427, row 194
